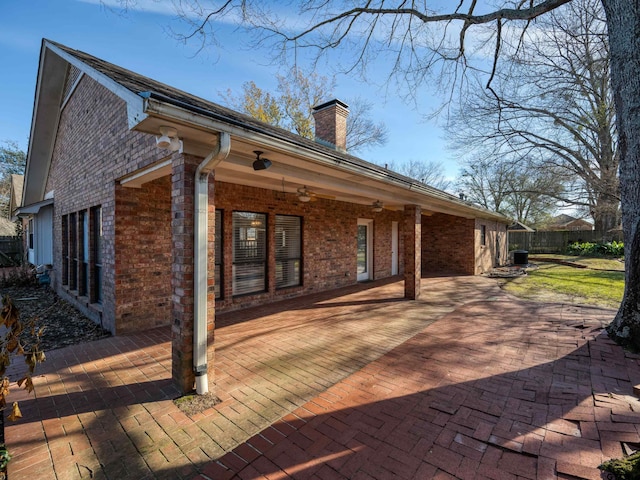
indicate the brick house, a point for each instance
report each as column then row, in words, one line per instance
column 165, row 208
column 565, row 222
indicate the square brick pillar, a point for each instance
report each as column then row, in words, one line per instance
column 182, row 272
column 412, row 251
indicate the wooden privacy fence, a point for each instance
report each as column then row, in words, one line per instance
column 557, row 242
column 10, row 251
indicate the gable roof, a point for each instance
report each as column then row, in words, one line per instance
column 151, row 104
column 518, row 226
column 563, row 219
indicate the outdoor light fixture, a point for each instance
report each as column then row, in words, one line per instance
column 377, row 206
column 168, row 139
column 260, row 163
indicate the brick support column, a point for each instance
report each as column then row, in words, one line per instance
column 412, row 251
column 182, row 230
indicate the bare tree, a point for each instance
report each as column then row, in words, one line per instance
column 526, row 195
column 292, row 107
column 419, row 39
column 12, row 161
column 551, row 107
column 430, row 173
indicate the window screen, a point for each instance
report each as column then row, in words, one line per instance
column 288, row 238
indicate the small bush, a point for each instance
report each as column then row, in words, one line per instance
column 608, row 249
column 627, row 468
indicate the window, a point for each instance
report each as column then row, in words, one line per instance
column 249, row 252
column 218, row 255
column 483, row 235
column 65, row 250
column 83, row 255
column 30, row 233
column 288, row 251
column 96, row 214
column 73, row 252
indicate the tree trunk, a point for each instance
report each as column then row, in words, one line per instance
column 605, row 216
column 623, row 20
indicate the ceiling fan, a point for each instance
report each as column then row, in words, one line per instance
column 306, row 195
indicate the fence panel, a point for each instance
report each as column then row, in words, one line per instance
column 556, row 241
column 10, row 251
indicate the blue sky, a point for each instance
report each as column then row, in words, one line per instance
column 139, row 41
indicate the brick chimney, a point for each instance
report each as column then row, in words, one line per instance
column 331, row 124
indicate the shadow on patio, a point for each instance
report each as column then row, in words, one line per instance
column 484, row 378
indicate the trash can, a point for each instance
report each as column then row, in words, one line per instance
column 520, row 257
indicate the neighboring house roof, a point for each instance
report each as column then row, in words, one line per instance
column 152, row 104
column 15, row 200
column 567, row 222
column 519, row 227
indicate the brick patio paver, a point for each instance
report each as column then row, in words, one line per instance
column 356, row 384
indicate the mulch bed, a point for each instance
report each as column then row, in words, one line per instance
column 63, row 324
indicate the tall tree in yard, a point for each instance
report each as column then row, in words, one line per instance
column 423, row 42
column 550, row 108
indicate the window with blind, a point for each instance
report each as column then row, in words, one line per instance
column 288, row 238
column 218, row 255
column 249, row 252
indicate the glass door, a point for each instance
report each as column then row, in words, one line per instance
column 364, row 260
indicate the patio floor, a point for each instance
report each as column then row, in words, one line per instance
column 359, row 384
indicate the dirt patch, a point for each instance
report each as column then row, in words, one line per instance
column 193, row 404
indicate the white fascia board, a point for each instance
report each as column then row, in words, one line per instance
column 148, row 174
column 135, row 104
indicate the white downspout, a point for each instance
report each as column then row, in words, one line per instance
column 200, row 260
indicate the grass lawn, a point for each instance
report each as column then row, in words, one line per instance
column 580, row 285
column 598, row 263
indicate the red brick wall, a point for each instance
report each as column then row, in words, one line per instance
column 143, row 256
column 93, row 148
column 329, row 239
column 447, row 244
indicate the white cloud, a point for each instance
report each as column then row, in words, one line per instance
column 162, row 7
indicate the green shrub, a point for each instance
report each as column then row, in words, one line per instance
column 627, row 468
column 608, row 249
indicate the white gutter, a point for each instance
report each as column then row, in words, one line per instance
column 200, row 260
